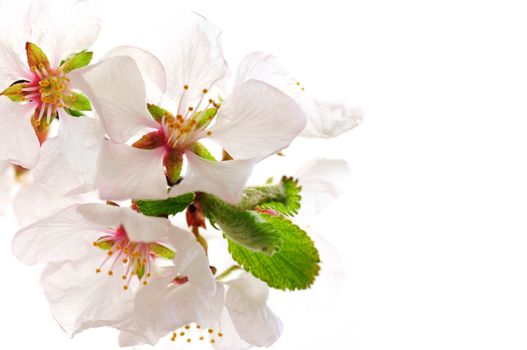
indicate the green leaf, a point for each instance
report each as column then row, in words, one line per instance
column 202, row 151
column 166, row 207
column 283, row 197
column 295, row 266
column 77, row 101
column 247, row 228
column 76, row 61
column 14, row 92
column 162, row 251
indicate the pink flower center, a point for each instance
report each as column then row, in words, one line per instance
column 137, row 257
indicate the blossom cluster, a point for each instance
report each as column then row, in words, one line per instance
column 120, row 145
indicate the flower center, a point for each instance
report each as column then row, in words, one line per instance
column 193, row 332
column 49, row 88
column 136, row 257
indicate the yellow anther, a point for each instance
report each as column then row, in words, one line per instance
column 191, row 109
column 125, row 260
column 201, row 338
column 41, row 65
column 148, row 275
column 212, row 341
column 123, row 277
column 125, row 287
column 98, row 270
column 189, row 340
column 220, row 334
column 205, row 91
column 95, row 244
column 298, row 83
column 185, row 87
column 187, row 326
column 110, row 253
column 210, row 331
column 209, row 133
column 145, row 283
column 110, row 273
column 182, row 333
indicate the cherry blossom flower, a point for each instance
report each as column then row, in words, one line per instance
column 99, row 258
column 325, row 119
column 36, row 89
column 253, row 122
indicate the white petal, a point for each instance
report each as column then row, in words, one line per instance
column 324, row 119
column 149, row 65
column 68, row 162
column 328, row 120
column 224, row 179
column 81, row 299
column 184, row 304
column 191, row 260
column 254, row 321
column 63, row 27
column 33, row 203
column 231, row 339
column 149, row 337
column 19, row 142
column 194, row 57
column 126, row 172
column 257, row 120
column 265, row 67
column 12, row 68
column 139, row 228
column 117, row 92
column 63, row 236
column 6, row 183
column 322, row 181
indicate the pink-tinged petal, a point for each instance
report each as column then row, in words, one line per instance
column 139, row 228
column 150, row 67
column 33, row 203
column 117, row 92
column 126, row 172
column 257, row 120
column 63, row 236
column 19, row 142
column 194, row 57
column 148, row 337
column 68, row 162
column 231, row 339
column 12, row 67
column 224, row 179
column 82, row 299
column 63, row 27
column 327, row 120
column 254, row 321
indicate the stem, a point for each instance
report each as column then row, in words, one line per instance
column 227, row 272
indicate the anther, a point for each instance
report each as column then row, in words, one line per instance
column 98, row 270
column 205, row 91
column 185, row 87
column 110, row 273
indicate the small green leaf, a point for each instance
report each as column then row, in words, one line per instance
column 202, row 151
column 14, row 92
column 166, row 207
column 157, row 112
column 36, row 57
column 247, row 228
column 77, row 101
column 162, row 251
column 283, row 197
column 295, row 266
column 76, row 61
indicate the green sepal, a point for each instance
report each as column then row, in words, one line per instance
column 206, row 117
column 247, row 228
column 174, row 165
column 74, row 112
column 157, row 112
column 202, row 151
column 295, row 266
column 77, row 101
column 76, row 61
column 106, row 245
column 35, row 56
column 166, row 207
column 152, row 140
column 283, row 197
column 162, row 251
column 14, row 92
column 140, row 270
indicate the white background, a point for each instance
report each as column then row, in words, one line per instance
column 431, row 233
